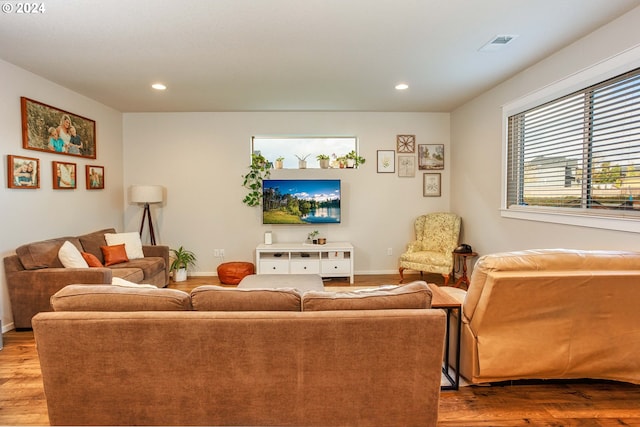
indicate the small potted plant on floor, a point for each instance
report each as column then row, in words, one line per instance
column 182, row 259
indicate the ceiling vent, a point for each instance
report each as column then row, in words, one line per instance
column 497, row 43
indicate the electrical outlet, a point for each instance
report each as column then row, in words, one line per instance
column 222, row 253
column 216, row 252
column 389, row 251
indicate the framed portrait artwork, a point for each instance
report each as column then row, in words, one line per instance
column 64, row 175
column 47, row 128
column 431, row 185
column 95, row 177
column 430, row 156
column 386, row 161
column 406, row 166
column 23, row 172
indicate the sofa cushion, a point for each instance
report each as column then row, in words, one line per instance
column 150, row 266
column 115, row 254
column 218, row 298
column 91, row 259
column 119, row 298
column 43, row 254
column 70, row 256
column 412, row 295
column 131, row 241
column 93, row 241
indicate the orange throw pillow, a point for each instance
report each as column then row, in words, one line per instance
column 91, row 259
column 114, row 254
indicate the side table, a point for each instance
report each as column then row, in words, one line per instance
column 442, row 300
column 464, row 278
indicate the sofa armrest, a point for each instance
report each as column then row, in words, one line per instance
column 159, row 251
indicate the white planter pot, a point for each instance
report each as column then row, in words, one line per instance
column 180, row 275
column 302, row 164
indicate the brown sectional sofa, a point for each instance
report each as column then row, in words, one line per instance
column 552, row 314
column 174, row 362
column 35, row 272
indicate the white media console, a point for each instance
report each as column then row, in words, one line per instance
column 328, row 260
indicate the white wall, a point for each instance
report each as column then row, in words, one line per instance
column 31, row 215
column 200, row 157
column 477, row 143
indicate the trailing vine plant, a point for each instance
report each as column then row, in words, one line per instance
column 260, row 170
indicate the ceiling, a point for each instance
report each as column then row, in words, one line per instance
column 291, row 55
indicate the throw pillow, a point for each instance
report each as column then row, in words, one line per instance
column 91, row 259
column 114, row 254
column 131, row 241
column 70, row 256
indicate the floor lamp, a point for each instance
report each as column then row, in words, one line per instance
column 147, row 194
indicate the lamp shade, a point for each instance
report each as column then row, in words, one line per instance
column 146, row 194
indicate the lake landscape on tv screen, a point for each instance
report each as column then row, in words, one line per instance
column 301, row 201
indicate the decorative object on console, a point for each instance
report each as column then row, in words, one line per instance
column 23, row 172
column 386, row 161
column 147, row 194
column 182, row 259
column 268, row 238
column 260, row 170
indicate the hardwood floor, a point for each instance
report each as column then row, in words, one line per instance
column 535, row 403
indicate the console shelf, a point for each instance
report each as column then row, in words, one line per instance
column 328, row 260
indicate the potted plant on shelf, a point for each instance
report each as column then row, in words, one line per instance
column 323, row 159
column 279, row 162
column 311, row 237
column 302, row 161
column 260, row 169
column 182, row 259
column 353, row 160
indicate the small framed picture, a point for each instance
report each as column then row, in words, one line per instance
column 64, row 175
column 386, row 161
column 406, row 166
column 23, row 172
column 406, row 143
column 95, row 177
column 431, row 185
column 430, row 156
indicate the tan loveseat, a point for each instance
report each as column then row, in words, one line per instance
column 35, row 272
column 187, row 365
column 552, row 314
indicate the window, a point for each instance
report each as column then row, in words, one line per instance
column 294, row 149
column 579, row 153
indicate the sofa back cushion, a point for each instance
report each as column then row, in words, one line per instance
column 44, row 254
column 92, row 242
column 118, row 298
column 412, row 295
column 218, row 298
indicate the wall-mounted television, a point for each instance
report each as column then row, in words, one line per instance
column 301, row 201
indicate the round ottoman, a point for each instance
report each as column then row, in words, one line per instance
column 231, row 273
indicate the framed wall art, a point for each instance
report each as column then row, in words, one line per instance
column 95, row 177
column 23, row 172
column 47, row 128
column 431, row 185
column 430, row 156
column 406, row 143
column 64, row 175
column 386, row 161
column 406, row 166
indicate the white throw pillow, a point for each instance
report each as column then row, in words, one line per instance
column 132, row 243
column 70, row 256
column 117, row 281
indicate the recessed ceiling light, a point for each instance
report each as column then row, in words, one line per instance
column 402, row 86
column 158, row 86
column 498, row 42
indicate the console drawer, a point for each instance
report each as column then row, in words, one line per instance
column 274, row 267
column 336, row 266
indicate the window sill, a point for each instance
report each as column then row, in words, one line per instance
column 629, row 224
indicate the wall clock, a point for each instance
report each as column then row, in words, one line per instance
column 406, row 143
